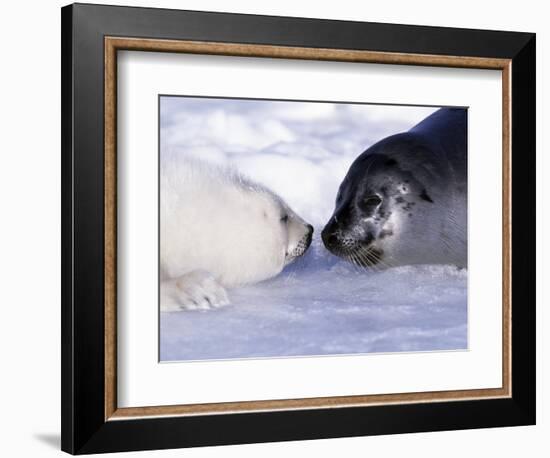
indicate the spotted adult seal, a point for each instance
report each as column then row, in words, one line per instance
column 404, row 200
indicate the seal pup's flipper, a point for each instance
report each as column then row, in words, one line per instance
column 195, row 290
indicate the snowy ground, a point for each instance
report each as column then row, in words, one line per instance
column 319, row 305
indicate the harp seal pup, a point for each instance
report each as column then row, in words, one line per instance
column 218, row 230
column 404, row 200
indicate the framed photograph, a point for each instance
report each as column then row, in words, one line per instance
column 283, row 228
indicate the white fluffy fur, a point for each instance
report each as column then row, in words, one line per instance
column 218, row 229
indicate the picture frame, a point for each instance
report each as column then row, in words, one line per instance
column 92, row 35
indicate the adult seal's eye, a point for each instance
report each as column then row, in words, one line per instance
column 372, row 201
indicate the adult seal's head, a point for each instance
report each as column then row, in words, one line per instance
column 403, row 201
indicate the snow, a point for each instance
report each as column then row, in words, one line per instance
column 320, row 304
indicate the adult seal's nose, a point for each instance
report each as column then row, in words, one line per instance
column 328, row 237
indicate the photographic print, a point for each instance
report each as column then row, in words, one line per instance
column 310, row 228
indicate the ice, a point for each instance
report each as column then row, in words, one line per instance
column 320, row 304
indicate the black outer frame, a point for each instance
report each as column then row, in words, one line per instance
column 83, row 426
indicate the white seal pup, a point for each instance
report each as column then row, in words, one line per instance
column 404, row 200
column 218, row 230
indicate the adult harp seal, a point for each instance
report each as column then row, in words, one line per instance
column 404, row 200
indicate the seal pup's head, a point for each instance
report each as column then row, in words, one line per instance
column 285, row 236
column 379, row 203
column 261, row 233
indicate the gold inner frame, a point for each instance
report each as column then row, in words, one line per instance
column 114, row 44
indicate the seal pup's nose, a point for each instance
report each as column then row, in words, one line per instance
column 309, row 235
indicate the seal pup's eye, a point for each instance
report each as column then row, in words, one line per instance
column 284, row 219
column 372, row 200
